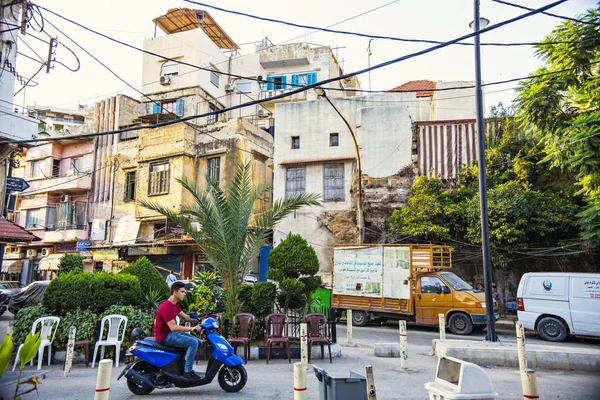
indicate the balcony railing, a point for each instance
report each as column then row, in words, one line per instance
column 66, row 216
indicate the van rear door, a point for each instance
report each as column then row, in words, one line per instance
column 585, row 304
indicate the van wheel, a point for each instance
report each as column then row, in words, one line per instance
column 460, row 324
column 359, row 318
column 552, row 329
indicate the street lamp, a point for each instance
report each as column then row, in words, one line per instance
column 320, row 92
column 477, row 24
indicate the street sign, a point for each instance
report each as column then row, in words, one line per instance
column 16, row 184
column 84, row 246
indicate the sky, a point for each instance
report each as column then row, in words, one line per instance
column 131, row 21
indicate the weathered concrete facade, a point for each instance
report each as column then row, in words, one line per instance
column 312, row 141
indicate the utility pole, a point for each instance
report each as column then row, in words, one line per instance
column 485, row 234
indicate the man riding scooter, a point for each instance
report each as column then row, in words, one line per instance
column 167, row 332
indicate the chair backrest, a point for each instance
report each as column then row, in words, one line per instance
column 317, row 323
column 48, row 327
column 245, row 324
column 278, row 325
column 114, row 327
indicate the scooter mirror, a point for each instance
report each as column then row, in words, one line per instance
column 194, row 315
column 206, row 309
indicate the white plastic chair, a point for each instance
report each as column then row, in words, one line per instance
column 48, row 329
column 113, row 338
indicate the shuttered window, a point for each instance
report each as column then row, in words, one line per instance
column 295, row 181
column 213, row 174
column 333, row 182
column 158, row 180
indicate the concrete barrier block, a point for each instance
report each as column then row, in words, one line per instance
column 387, row 350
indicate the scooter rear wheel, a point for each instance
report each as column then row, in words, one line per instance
column 232, row 379
column 143, row 368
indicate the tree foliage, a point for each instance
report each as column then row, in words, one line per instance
column 293, row 264
column 152, row 282
column 70, row 262
column 231, row 234
column 562, row 106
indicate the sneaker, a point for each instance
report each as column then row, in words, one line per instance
column 191, row 376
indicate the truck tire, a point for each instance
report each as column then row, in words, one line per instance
column 359, row 318
column 552, row 329
column 460, row 324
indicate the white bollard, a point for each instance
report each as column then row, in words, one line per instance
column 442, row 322
column 103, row 380
column 371, row 393
column 529, row 384
column 403, row 346
column 69, row 356
column 349, row 325
column 522, row 353
column 304, row 343
column 299, row 381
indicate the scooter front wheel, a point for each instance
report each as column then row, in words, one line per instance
column 232, row 379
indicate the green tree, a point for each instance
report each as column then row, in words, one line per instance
column 70, row 262
column 293, row 265
column 231, row 234
column 562, row 105
column 153, row 285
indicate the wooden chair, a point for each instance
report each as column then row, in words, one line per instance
column 277, row 332
column 318, row 333
column 245, row 324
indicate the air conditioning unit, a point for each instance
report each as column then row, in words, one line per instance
column 263, row 112
column 165, row 80
column 65, row 198
column 31, row 252
column 46, row 251
column 229, row 87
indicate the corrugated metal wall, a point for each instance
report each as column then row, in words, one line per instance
column 444, row 146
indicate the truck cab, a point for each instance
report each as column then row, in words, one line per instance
column 445, row 293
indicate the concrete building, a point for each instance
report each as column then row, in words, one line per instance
column 314, row 152
column 60, row 120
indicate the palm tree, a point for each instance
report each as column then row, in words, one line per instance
column 231, row 235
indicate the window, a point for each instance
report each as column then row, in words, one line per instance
column 211, row 119
column 333, row 182
column 77, row 165
column 304, row 79
column 168, row 107
column 170, row 68
column 213, row 174
column 158, row 182
column 431, row 284
column 129, row 186
column 295, row 181
column 334, row 139
column 243, row 87
column 33, row 219
column 295, row 142
column 276, row 82
column 55, row 168
column 215, row 76
column 37, row 168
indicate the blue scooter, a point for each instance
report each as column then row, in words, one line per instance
column 151, row 365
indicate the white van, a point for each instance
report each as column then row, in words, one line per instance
column 559, row 304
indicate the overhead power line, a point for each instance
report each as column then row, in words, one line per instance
column 307, row 87
column 579, row 21
column 398, row 39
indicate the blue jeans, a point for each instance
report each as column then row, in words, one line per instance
column 181, row 339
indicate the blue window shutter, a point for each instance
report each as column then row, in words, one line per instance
column 312, row 78
column 179, row 107
column 294, row 81
column 156, row 108
column 270, row 83
column 283, row 82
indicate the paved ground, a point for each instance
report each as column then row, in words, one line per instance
column 275, row 381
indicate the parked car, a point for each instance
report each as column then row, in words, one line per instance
column 30, row 295
column 7, row 290
column 560, row 304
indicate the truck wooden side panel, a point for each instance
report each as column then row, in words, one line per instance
column 383, row 304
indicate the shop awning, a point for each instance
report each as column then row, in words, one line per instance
column 12, row 266
column 50, row 262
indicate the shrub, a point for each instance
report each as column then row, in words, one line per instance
column 293, row 265
column 24, row 321
column 91, row 291
column 258, row 299
column 70, row 262
column 85, row 323
column 202, row 297
column 148, row 275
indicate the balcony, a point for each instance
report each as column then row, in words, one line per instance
column 271, row 93
column 62, row 222
column 72, row 182
column 284, row 55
